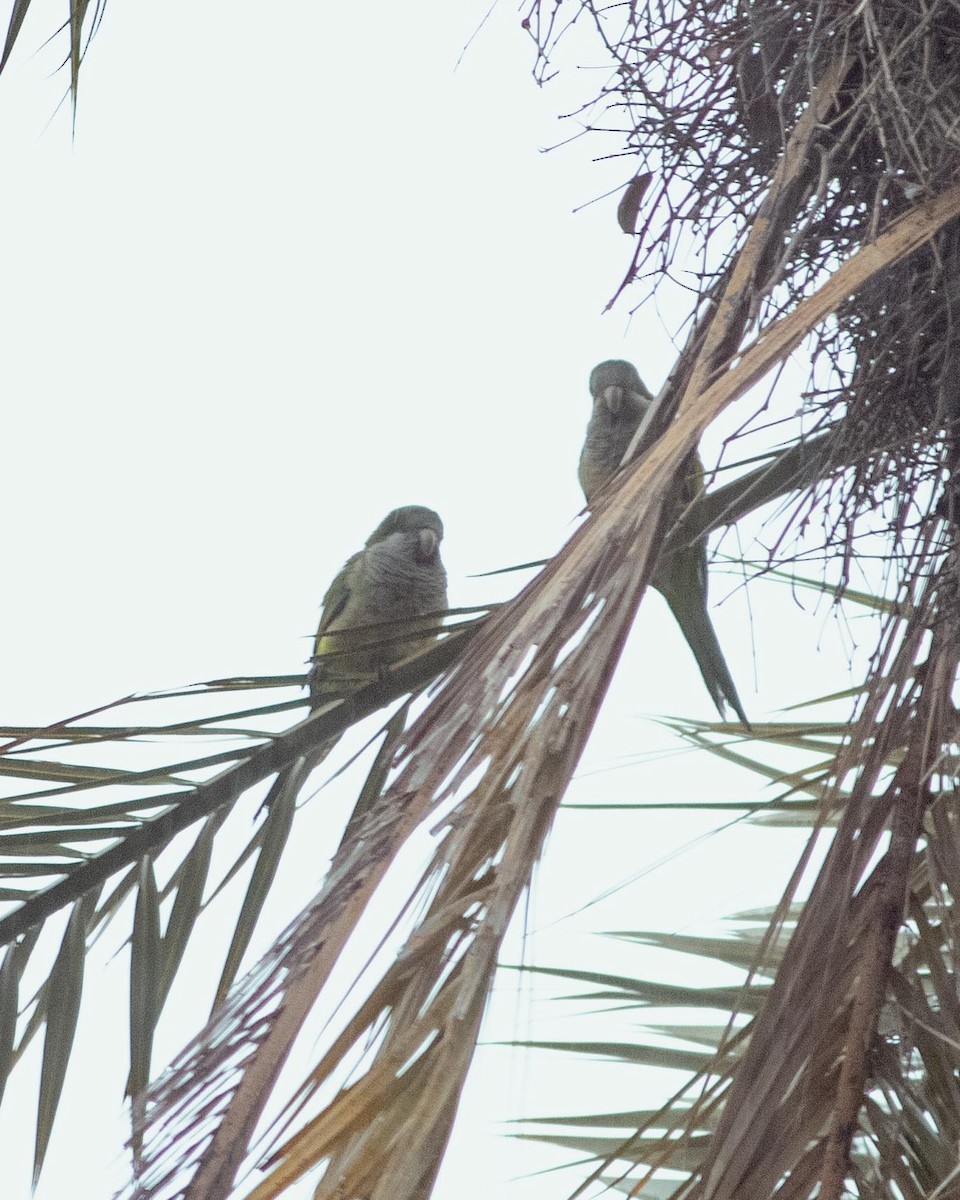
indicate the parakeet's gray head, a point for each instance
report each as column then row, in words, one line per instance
column 616, row 385
column 413, row 519
column 619, row 403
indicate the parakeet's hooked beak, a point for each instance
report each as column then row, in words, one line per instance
column 427, row 543
column 613, row 397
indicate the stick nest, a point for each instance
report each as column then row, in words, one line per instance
column 705, row 96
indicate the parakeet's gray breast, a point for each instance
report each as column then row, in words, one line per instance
column 400, row 582
column 607, row 440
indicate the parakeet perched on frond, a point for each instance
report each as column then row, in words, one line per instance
column 620, row 401
column 374, row 608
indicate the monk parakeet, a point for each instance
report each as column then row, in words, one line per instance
column 620, row 401
column 370, row 615
column 396, row 578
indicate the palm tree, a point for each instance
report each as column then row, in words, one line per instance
column 805, row 155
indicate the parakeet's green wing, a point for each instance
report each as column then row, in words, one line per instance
column 338, row 594
column 329, row 660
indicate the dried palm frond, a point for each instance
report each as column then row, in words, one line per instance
column 793, row 1110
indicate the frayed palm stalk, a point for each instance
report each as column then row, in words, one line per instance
column 907, row 1127
column 794, row 1107
column 491, row 757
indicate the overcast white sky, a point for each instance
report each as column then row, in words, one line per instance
column 295, row 270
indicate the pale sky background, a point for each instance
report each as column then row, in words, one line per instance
column 298, row 268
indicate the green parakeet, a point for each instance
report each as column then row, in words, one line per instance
column 620, row 401
column 370, row 614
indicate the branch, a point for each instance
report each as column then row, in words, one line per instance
column 192, row 806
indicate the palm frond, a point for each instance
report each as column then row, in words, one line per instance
column 78, row 38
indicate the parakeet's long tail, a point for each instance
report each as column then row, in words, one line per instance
column 688, row 603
